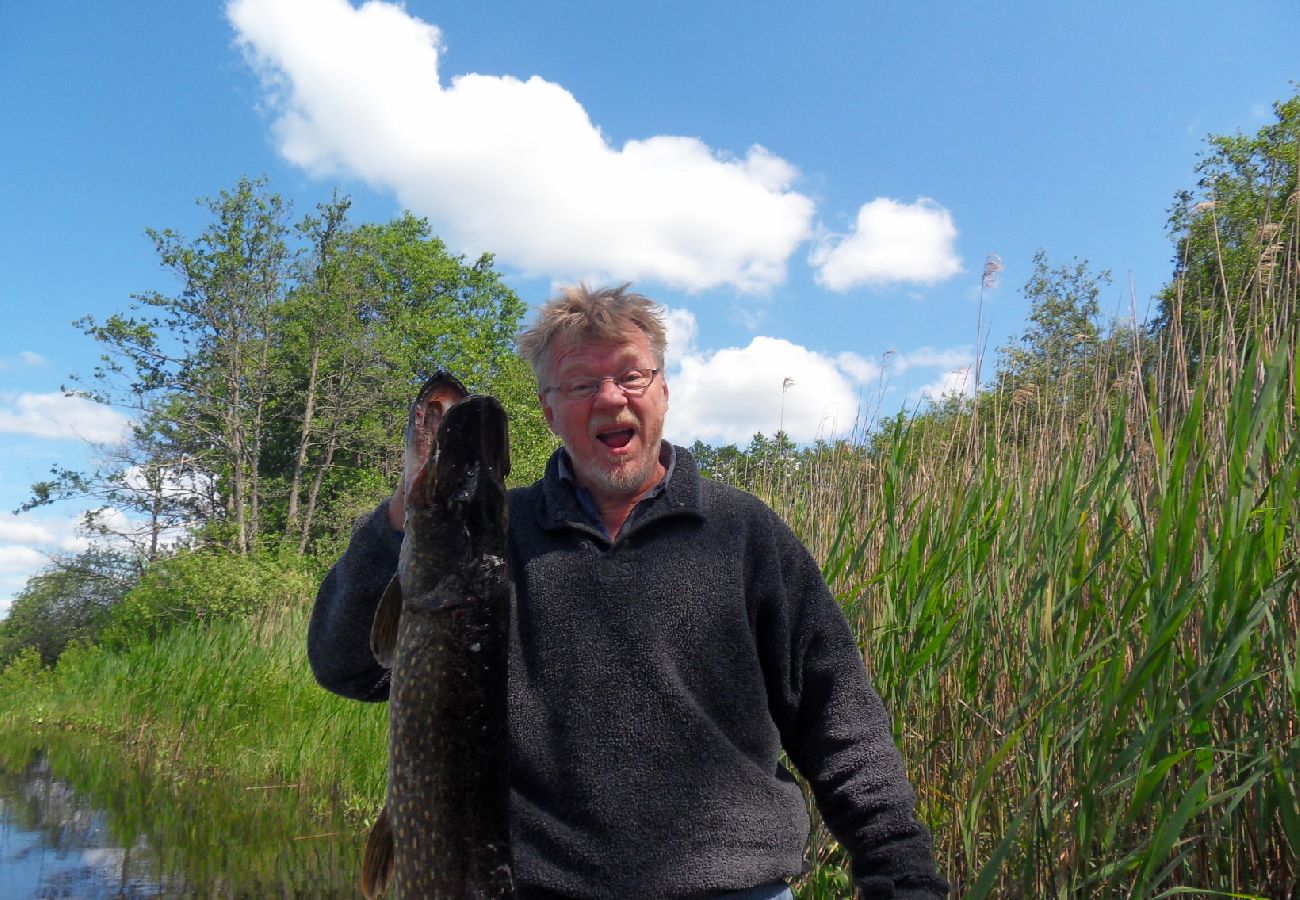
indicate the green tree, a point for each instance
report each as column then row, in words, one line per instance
column 201, row 359
column 1063, row 330
column 377, row 309
column 149, row 490
column 1234, row 235
column 1050, row 369
column 280, row 372
column 68, row 601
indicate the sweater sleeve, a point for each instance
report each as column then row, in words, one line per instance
column 836, row 731
column 338, row 637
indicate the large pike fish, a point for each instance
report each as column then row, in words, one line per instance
column 442, row 628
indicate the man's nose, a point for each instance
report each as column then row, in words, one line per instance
column 610, row 394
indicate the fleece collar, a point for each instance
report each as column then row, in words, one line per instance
column 677, row 494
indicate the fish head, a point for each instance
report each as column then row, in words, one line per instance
column 471, row 458
column 456, row 510
column 455, row 515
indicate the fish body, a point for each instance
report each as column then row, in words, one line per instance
column 442, row 627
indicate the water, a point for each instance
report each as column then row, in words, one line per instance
column 82, row 820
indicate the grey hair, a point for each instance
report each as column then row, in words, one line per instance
column 602, row 314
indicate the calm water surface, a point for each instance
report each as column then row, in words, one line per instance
column 81, row 820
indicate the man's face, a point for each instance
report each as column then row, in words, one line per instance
column 612, row 438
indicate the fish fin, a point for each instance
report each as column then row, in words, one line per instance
column 383, row 634
column 377, row 861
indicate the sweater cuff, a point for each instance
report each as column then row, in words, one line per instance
column 878, row 888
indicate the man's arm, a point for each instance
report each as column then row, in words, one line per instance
column 836, row 731
column 338, row 638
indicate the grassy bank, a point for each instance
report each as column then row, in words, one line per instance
column 233, row 696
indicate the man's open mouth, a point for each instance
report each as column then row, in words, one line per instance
column 616, row 438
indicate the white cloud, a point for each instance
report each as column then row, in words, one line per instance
column 682, row 329
column 176, row 482
column 930, row 358
column 18, row 562
column 727, row 395
column 25, row 358
column 890, row 242
column 514, row 166
column 58, row 416
column 18, row 559
column 16, row 531
column 858, row 368
column 954, row 383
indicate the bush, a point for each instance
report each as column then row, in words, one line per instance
column 24, row 673
column 208, row 585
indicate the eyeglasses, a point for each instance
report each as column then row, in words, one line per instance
column 633, row 383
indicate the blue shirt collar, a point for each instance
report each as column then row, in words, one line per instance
column 667, row 458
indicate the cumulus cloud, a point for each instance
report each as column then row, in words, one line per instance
column 860, row 369
column 24, row 358
column 16, row 531
column 514, row 166
column 954, row 383
column 17, row 559
column 58, row 416
column 948, row 358
column 17, row 564
column 682, row 329
column 890, row 242
column 725, row 396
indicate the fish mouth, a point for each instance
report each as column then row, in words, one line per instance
column 436, row 398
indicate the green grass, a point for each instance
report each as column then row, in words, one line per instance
column 234, row 696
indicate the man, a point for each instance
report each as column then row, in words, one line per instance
column 670, row 637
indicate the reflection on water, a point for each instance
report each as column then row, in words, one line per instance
column 82, row 820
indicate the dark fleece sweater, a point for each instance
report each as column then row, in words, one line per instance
column 653, row 683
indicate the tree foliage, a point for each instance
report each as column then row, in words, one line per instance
column 271, row 387
column 1063, row 333
column 207, row 585
column 1236, row 237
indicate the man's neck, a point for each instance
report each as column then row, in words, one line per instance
column 615, row 510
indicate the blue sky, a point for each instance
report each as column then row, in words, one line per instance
column 811, row 189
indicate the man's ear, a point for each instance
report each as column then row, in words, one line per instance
column 547, row 411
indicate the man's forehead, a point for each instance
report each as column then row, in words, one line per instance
column 578, row 350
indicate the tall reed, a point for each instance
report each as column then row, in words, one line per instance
column 1084, row 622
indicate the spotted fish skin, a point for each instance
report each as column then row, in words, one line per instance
column 447, row 813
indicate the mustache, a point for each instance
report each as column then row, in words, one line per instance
column 624, row 420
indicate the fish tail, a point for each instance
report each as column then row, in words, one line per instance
column 377, row 861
